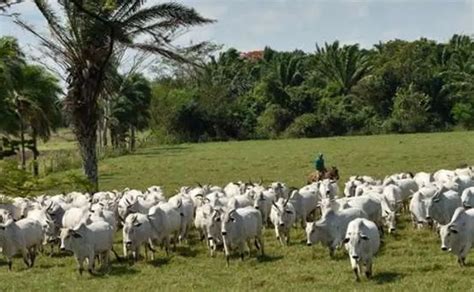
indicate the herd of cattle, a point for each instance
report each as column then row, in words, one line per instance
column 232, row 218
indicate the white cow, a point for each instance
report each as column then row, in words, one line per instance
column 283, row 217
column 442, row 205
column 331, row 228
column 263, row 203
column 467, row 198
column 457, row 236
column 23, row 236
column 87, row 242
column 362, row 242
column 305, row 204
column 423, row 179
column 239, row 227
column 137, row 231
column 166, row 223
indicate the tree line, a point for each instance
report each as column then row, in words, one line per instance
column 395, row 87
column 203, row 94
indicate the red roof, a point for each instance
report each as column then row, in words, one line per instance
column 252, row 55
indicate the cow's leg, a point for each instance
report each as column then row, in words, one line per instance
column 26, row 256
column 368, row 269
column 80, row 265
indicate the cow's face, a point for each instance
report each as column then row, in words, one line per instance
column 354, row 243
column 390, row 220
column 448, row 234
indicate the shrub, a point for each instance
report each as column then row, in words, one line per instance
column 306, row 125
column 272, row 121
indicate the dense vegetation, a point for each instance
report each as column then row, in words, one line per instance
column 397, row 86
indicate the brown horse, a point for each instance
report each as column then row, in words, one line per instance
column 332, row 173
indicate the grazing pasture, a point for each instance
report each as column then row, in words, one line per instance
column 408, row 260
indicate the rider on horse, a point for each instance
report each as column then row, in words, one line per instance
column 319, row 164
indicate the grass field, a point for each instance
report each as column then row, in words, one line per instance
column 409, row 260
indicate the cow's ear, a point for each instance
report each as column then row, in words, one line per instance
column 346, row 240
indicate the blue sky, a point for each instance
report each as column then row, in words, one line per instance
column 299, row 24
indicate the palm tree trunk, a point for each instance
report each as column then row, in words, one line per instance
column 132, row 138
column 35, row 154
column 22, row 144
column 22, row 135
column 87, row 144
column 85, row 117
column 104, row 133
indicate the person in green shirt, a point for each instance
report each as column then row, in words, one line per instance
column 319, row 164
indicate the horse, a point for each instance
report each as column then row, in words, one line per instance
column 332, row 174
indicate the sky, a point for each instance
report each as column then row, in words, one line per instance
column 300, row 24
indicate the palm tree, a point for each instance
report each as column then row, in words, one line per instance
column 38, row 107
column 11, row 63
column 344, row 66
column 84, row 40
column 129, row 110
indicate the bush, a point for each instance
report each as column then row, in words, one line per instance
column 272, row 121
column 306, row 125
column 17, row 182
column 410, row 111
column 463, row 113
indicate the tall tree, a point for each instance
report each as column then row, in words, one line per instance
column 342, row 66
column 83, row 41
column 130, row 110
column 39, row 106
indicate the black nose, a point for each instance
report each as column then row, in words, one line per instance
column 256, row 207
column 428, row 218
column 63, row 249
column 309, row 244
column 224, row 233
column 444, row 248
column 392, row 229
column 210, row 238
column 355, row 257
column 282, row 224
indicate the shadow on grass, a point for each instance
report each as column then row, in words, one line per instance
column 387, row 277
column 61, row 255
column 49, row 266
column 160, row 150
column 268, row 258
column 186, row 251
column 159, row 262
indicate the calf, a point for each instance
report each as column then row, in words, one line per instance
column 362, row 242
column 283, row 217
column 263, row 203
